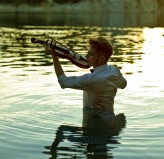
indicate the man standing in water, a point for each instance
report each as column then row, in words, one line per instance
column 99, row 87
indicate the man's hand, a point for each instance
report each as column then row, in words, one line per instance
column 49, row 49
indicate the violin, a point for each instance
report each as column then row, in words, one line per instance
column 62, row 51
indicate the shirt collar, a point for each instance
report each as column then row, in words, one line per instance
column 99, row 68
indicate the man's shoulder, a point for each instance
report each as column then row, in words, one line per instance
column 114, row 67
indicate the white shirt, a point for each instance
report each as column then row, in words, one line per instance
column 100, row 87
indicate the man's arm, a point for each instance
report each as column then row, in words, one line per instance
column 76, row 82
column 57, row 66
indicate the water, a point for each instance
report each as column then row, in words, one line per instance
column 33, row 107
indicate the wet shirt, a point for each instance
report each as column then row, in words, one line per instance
column 100, row 87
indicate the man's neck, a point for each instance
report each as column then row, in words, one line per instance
column 100, row 65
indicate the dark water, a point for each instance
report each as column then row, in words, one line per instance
column 34, row 110
column 102, row 19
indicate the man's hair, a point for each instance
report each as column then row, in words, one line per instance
column 102, row 46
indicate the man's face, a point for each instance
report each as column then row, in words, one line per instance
column 92, row 57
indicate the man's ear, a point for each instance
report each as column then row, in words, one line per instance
column 102, row 59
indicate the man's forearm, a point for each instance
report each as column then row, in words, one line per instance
column 57, row 66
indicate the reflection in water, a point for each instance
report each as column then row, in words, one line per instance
column 71, row 141
column 102, row 19
column 77, row 142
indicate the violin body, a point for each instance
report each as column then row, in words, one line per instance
column 63, row 52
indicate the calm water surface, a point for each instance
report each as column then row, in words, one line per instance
column 33, row 107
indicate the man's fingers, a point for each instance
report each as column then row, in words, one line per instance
column 48, row 48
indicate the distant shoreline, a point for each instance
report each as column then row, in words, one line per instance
column 83, row 7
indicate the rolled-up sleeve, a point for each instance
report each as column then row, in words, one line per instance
column 75, row 82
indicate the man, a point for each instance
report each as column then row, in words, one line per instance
column 99, row 87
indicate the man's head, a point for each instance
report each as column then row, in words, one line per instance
column 99, row 52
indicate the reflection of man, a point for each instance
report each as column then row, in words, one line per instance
column 77, row 142
column 99, row 87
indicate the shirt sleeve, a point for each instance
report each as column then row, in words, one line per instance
column 75, row 82
column 122, row 83
column 117, row 79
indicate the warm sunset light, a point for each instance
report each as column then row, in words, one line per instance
column 153, row 51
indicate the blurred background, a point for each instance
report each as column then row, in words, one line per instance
column 114, row 13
